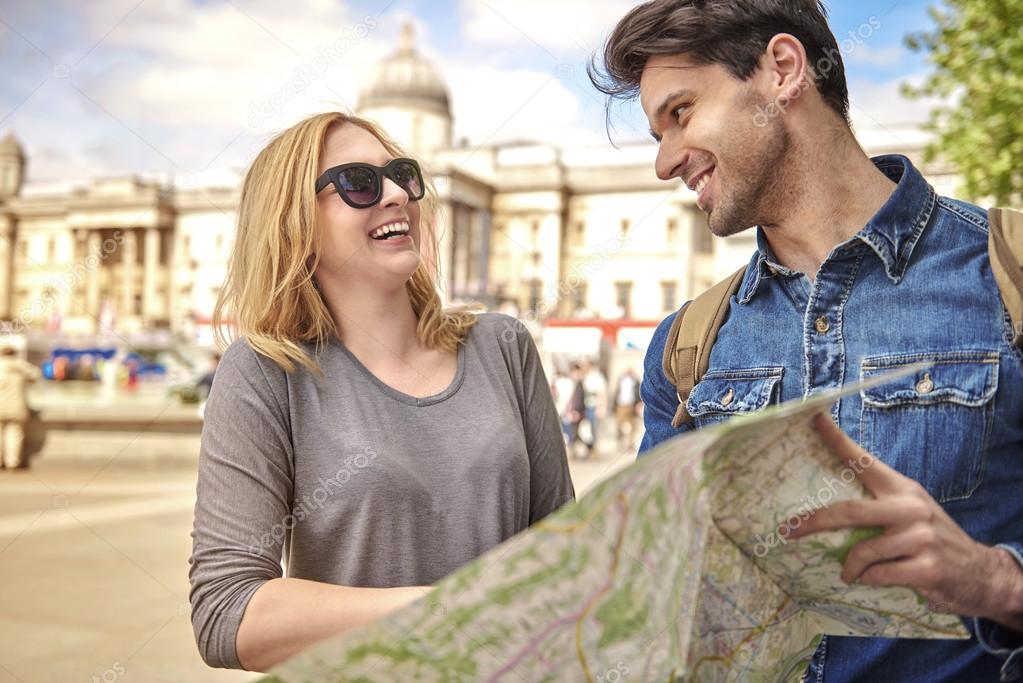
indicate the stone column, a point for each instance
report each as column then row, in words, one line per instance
column 6, row 265
column 460, row 260
column 151, row 254
column 128, row 257
column 444, row 229
column 93, row 262
column 483, row 266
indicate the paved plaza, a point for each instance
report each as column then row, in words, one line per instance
column 94, row 543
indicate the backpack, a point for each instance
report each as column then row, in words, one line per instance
column 695, row 329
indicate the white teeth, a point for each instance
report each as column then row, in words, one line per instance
column 702, row 184
column 400, row 227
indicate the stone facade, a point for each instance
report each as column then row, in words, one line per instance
column 552, row 232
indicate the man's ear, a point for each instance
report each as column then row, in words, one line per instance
column 786, row 68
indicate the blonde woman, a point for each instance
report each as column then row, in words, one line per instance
column 357, row 431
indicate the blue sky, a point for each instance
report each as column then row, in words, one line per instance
column 170, row 86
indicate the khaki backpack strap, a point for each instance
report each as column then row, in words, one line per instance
column 692, row 335
column 1005, row 247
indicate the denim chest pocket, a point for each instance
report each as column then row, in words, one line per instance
column 722, row 394
column 933, row 425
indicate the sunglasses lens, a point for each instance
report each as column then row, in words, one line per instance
column 409, row 179
column 360, row 184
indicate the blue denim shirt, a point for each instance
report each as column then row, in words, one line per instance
column 915, row 284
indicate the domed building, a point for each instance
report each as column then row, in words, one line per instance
column 409, row 98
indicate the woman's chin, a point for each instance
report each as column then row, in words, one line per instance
column 399, row 267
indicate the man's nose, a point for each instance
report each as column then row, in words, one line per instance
column 671, row 159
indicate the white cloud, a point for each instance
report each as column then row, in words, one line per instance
column 215, row 62
column 179, row 82
column 574, row 25
column 884, row 118
column 876, row 56
column 182, row 88
column 884, row 103
column 494, row 105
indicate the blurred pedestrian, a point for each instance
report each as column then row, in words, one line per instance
column 562, row 389
column 627, row 402
column 205, row 383
column 576, row 410
column 595, row 399
column 15, row 374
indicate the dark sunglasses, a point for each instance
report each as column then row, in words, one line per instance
column 361, row 184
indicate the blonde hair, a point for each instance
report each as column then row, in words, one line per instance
column 269, row 293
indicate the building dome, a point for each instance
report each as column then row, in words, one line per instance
column 10, row 147
column 406, row 80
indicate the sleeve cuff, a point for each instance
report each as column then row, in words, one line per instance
column 999, row 640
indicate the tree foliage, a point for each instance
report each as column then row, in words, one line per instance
column 976, row 48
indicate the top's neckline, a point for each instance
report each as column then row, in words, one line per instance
column 400, row 396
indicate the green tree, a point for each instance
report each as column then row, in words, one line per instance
column 976, row 48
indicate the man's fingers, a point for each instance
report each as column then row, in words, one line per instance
column 879, row 478
column 917, row 573
column 892, row 511
column 892, row 545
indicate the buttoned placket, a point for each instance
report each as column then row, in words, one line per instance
column 823, row 334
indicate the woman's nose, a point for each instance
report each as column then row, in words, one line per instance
column 392, row 194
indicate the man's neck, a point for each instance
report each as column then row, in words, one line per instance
column 836, row 190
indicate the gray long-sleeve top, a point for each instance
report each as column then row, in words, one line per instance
column 351, row 482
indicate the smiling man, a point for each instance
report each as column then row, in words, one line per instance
column 860, row 268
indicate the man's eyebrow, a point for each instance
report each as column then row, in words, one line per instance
column 663, row 107
column 666, row 102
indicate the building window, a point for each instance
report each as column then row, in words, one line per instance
column 579, row 298
column 625, row 225
column 669, row 296
column 535, row 295
column 23, row 249
column 580, row 232
column 672, row 230
column 51, row 250
column 535, row 227
column 623, row 298
column 701, row 236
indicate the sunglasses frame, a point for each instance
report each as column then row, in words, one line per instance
column 332, row 177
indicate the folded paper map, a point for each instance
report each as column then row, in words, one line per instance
column 675, row 569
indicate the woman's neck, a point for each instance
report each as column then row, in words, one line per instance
column 374, row 324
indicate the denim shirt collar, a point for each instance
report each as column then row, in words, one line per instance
column 892, row 233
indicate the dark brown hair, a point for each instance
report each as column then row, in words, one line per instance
column 732, row 33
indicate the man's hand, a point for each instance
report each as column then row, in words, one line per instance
column 922, row 547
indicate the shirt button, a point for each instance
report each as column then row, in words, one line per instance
column 925, row 386
column 727, row 399
column 822, row 324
